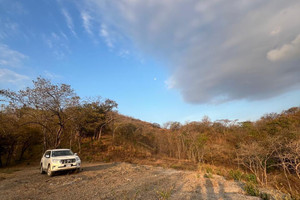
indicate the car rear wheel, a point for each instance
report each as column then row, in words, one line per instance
column 42, row 170
column 49, row 172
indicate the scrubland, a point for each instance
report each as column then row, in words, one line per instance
column 262, row 155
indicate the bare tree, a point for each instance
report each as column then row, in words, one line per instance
column 255, row 157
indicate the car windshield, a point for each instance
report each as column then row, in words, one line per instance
column 62, row 153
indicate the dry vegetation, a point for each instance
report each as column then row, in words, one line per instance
column 262, row 153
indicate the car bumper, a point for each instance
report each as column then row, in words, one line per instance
column 61, row 167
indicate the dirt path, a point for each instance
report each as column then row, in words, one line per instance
column 118, row 181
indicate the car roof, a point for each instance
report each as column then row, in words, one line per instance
column 58, row 150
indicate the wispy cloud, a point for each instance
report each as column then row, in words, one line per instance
column 104, row 33
column 8, row 28
column 86, row 20
column 10, row 11
column 69, row 21
column 124, row 53
column 58, row 44
column 51, row 75
column 9, row 77
column 10, row 58
column 216, row 49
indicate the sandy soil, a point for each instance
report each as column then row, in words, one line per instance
column 118, row 181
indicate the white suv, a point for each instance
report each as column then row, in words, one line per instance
column 59, row 160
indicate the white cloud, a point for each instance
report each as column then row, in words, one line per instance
column 58, row 44
column 69, row 21
column 52, row 75
column 124, row 53
column 10, row 58
column 216, row 49
column 170, row 83
column 11, row 10
column 275, row 31
column 8, row 77
column 286, row 52
column 104, row 33
column 86, row 20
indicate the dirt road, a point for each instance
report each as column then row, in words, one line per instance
column 118, row 181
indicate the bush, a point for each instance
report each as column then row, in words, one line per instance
column 236, row 175
column 251, row 189
column 265, row 196
column 251, row 178
column 209, row 170
column 208, row 175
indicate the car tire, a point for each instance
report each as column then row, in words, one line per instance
column 77, row 170
column 42, row 170
column 49, row 172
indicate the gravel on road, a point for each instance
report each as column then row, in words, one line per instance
column 118, row 181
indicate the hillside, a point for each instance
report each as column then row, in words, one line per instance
column 263, row 153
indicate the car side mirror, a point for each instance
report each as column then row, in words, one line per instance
column 75, row 154
column 47, row 156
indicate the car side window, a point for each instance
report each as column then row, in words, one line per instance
column 47, row 154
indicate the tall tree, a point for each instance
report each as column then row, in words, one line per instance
column 49, row 102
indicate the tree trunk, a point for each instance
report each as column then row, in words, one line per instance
column 45, row 139
column 10, row 153
column 285, row 169
column 58, row 134
column 1, row 161
column 70, row 143
column 100, row 132
column 23, row 149
column 79, row 141
column 114, row 132
column 95, row 136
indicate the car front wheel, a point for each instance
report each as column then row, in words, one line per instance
column 42, row 170
column 49, row 172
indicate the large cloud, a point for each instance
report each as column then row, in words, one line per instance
column 217, row 50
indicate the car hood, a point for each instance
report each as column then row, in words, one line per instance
column 64, row 157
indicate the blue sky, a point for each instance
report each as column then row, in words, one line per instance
column 159, row 60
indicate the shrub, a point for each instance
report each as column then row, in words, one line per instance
column 164, row 194
column 265, row 196
column 209, row 170
column 251, row 189
column 236, row 175
column 208, row 175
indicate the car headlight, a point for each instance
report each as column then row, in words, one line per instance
column 55, row 160
column 77, row 159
